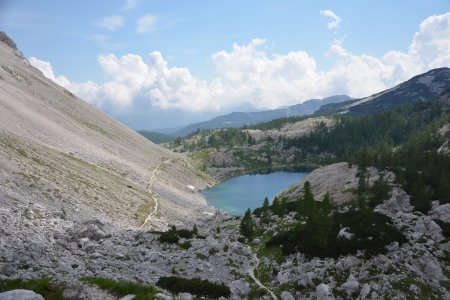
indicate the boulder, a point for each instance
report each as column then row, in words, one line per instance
column 184, row 296
column 398, row 202
column 287, row 296
column 365, row 291
column 161, row 296
column 441, row 212
column 351, row 286
column 20, row 295
column 92, row 229
column 323, row 292
column 239, row 288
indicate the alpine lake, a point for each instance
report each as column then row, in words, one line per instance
column 239, row 193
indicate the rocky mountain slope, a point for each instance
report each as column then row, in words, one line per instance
column 231, row 151
column 239, row 119
column 421, row 87
column 58, row 152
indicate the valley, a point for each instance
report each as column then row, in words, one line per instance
column 90, row 209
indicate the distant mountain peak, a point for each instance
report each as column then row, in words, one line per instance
column 239, row 119
column 4, row 38
column 424, row 86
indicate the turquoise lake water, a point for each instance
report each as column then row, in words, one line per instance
column 239, row 193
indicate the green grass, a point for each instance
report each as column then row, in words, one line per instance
column 425, row 291
column 42, row 286
column 123, row 288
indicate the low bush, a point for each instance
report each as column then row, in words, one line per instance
column 372, row 232
column 196, row 286
column 122, row 288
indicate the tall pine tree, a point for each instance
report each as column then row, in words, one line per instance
column 246, row 226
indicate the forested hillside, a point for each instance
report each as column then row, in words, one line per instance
column 405, row 140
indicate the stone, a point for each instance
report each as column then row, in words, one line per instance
column 161, row 296
column 365, row 291
column 287, row 296
column 343, row 233
column 441, row 212
column 398, row 202
column 7, row 270
column 433, row 270
column 239, row 288
column 351, row 286
column 184, row 296
column 323, row 292
column 413, row 289
column 20, row 295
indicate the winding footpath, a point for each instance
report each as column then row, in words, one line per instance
column 154, row 197
column 251, row 273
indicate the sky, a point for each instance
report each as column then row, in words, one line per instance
column 164, row 64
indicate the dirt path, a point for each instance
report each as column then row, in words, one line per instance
column 154, row 197
column 251, row 273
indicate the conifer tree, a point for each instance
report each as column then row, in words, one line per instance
column 307, row 205
column 265, row 218
column 276, row 206
column 246, row 226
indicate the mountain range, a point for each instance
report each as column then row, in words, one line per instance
column 239, row 119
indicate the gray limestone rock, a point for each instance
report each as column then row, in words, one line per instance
column 20, row 295
column 239, row 288
column 184, row 296
column 323, row 292
column 398, row 202
column 351, row 286
column 365, row 291
column 441, row 212
column 287, row 296
column 161, row 296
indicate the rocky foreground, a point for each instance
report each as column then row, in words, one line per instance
column 36, row 243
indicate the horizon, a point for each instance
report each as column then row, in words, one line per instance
column 166, row 65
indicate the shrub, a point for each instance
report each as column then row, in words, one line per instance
column 169, row 237
column 373, row 231
column 122, row 288
column 196, row 286
column 186, row 245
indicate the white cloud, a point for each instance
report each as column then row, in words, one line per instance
column 248, row 74
column 130, row 4
column 111, row 23
column 335, row 19
column 146, row 23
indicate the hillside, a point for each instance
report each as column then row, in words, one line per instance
column 421, row 87
column 60, row 153
column 239, row 119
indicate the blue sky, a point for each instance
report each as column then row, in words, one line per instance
column 146, row 61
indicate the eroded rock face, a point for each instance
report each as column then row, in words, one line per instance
column 339, row 180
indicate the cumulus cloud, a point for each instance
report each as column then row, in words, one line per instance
column 146, row 23
column 111, row 23
column 248, row 74
column 335, row 20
